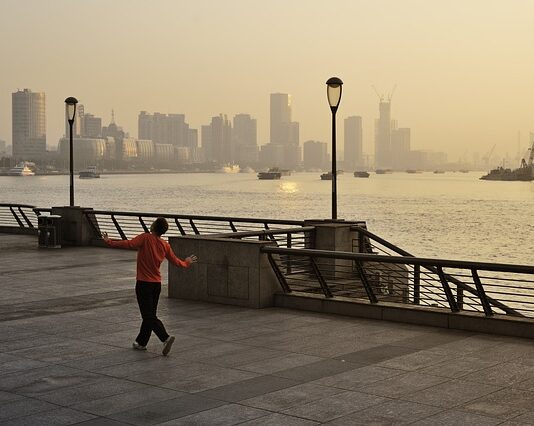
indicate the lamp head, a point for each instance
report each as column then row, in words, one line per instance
column 333, row 92
column 70, row 104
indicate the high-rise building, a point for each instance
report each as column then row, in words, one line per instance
column 383, row 136
column 217, row 140
column 353, row 146
column 315, row 155
column 245, row 135
column 28, row 125
column 283, row 132
column 400, row 148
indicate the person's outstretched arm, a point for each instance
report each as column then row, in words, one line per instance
column 132, row 244
column 171, row 257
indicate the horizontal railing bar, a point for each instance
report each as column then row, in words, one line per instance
column 411, row 260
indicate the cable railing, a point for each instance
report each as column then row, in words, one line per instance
column 124, row 225
column 20, row 216
column 448, row 284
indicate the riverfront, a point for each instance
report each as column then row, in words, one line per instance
column 66, row 330
column 451, row 215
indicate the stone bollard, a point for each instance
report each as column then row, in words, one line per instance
column 75, row 227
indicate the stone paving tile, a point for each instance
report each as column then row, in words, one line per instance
column 278, row 420
column 61, row 416
column 125, row 401
column 290, row 397
column 226, row 415
column 174, row 373
column 412, row 361
column 458, row 367
column 333, row 407
column 23, row 407
column 506, row 404
column 104, row 388
column 508, row 373
column 160, row 412
column 147, row 366
column 376, row 354
column 433, row 339
column 359, row 377
column 102, row 421
column 272, row 365
column 116, row 357
column 403, row 384
column 392, row 412
column 13, row 364
column 316, row 370
column 247, row 389
column 212, row 378
column 242, row 357
column 458, row 417
column 9, row 396
column 525, row 419
column 452, row 393
column 46, row 379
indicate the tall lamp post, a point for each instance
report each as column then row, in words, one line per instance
column 70, row 105
column 333, row 93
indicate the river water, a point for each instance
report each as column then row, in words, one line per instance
column 451, row 215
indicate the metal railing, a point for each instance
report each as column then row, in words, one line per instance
column 299, row 237
column 20, row 216
column 124, row 225
column 450, row 284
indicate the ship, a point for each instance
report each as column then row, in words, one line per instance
column 361, row 174
column 328, row 175
column 22, row 169
column 269, row 175
column 383, row 171
column 89, row 173
column 524, row 173
column 438, row 172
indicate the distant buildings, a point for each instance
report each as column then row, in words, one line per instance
column 315, row 155
column 217, row 141
column 353, row 146
column 3, row 148
column 283, row 149
column 245, row 139
column 383, row 157
column 28, row 125
column 400, row 148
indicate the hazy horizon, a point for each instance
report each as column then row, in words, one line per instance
column 462, row 70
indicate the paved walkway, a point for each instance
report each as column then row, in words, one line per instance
column 68, row 318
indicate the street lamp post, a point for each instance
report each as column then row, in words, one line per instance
column 333, row 92
column 70, row 104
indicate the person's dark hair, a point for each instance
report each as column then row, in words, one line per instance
column 159, row 226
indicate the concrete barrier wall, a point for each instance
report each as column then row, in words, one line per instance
column 434, row 317
column 228, row 271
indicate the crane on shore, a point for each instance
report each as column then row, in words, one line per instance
column 381, row 97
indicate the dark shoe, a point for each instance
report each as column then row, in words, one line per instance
column 167, row 345
column 138, row 346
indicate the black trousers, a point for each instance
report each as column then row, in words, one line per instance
column 147, row 297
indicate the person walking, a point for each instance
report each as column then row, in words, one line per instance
column 151, row 250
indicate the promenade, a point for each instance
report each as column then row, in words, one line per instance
column 68, row 318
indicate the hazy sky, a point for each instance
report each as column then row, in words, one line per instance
column 464, row 69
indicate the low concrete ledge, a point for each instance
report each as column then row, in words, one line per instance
column 498, row 324
column 17, row 230
column 229, row 271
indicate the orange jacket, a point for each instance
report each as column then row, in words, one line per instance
column 151, row 250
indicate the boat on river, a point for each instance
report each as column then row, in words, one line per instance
column 22, row 169
column 271, row 174
column 89, row 173
column 361, row 174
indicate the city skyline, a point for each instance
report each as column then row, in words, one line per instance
column 460, row 91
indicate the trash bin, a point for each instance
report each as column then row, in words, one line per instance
column 49, row 231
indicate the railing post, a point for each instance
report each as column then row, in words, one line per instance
column 288, row 259
column 366, row 285
column 30, row 225
column 179, row 226
column 481, row 294
column 460, row 297
column 281, row 278
column 232, row 226
column 320, row 278
column 118, row 227
column 16, row 217
column 193, row 226
column 142, row 222
column 447, row 289
column 416, row 284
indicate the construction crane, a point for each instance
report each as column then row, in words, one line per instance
column 382, row 96
column 486, row 158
